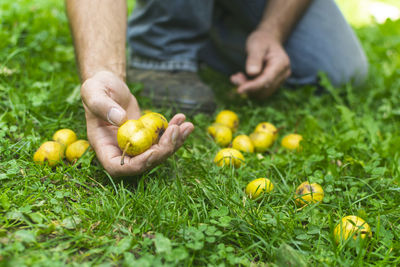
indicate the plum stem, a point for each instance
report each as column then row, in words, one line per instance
column 124, row 152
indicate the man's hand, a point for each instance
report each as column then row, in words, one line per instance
column 108, row 103
column 267, row 64
column 99, row 31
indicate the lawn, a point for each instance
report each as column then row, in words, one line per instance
column 188, row 211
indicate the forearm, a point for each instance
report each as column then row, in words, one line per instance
column 280, row 16
column 99, row 31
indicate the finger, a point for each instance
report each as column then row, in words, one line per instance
column 117, row 90
column 255, row 57
column 165, row 147
column 133, row 111
column 266, row 92
column 100, row 103
column 170, row 142
column 185, row 130
column 132, row 165
column 238, row 78
column 178, row 119
column 266, row 79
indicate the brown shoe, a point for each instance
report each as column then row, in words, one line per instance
column 183, row 91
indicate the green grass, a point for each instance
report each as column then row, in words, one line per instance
column 188, row 211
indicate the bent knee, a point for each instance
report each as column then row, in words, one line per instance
column 340, row 70
column 352, row 70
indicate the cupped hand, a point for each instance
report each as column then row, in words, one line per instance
column 108, row 104
column 267, row 65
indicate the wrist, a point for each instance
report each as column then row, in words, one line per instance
column 272, row 29
column 118, row 69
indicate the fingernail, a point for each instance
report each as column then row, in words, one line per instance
column 253, row 68
column 185, row 133
column 115, row 116
column 150, row 160
column 174, row 136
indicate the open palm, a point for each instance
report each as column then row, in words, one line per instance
column 104, row 92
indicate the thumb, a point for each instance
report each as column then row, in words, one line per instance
column 94, row 96
column 255, row 58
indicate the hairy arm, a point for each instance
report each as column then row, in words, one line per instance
column 99, row 32
column 98, row 28
column 267, row 64
column 281, row 16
